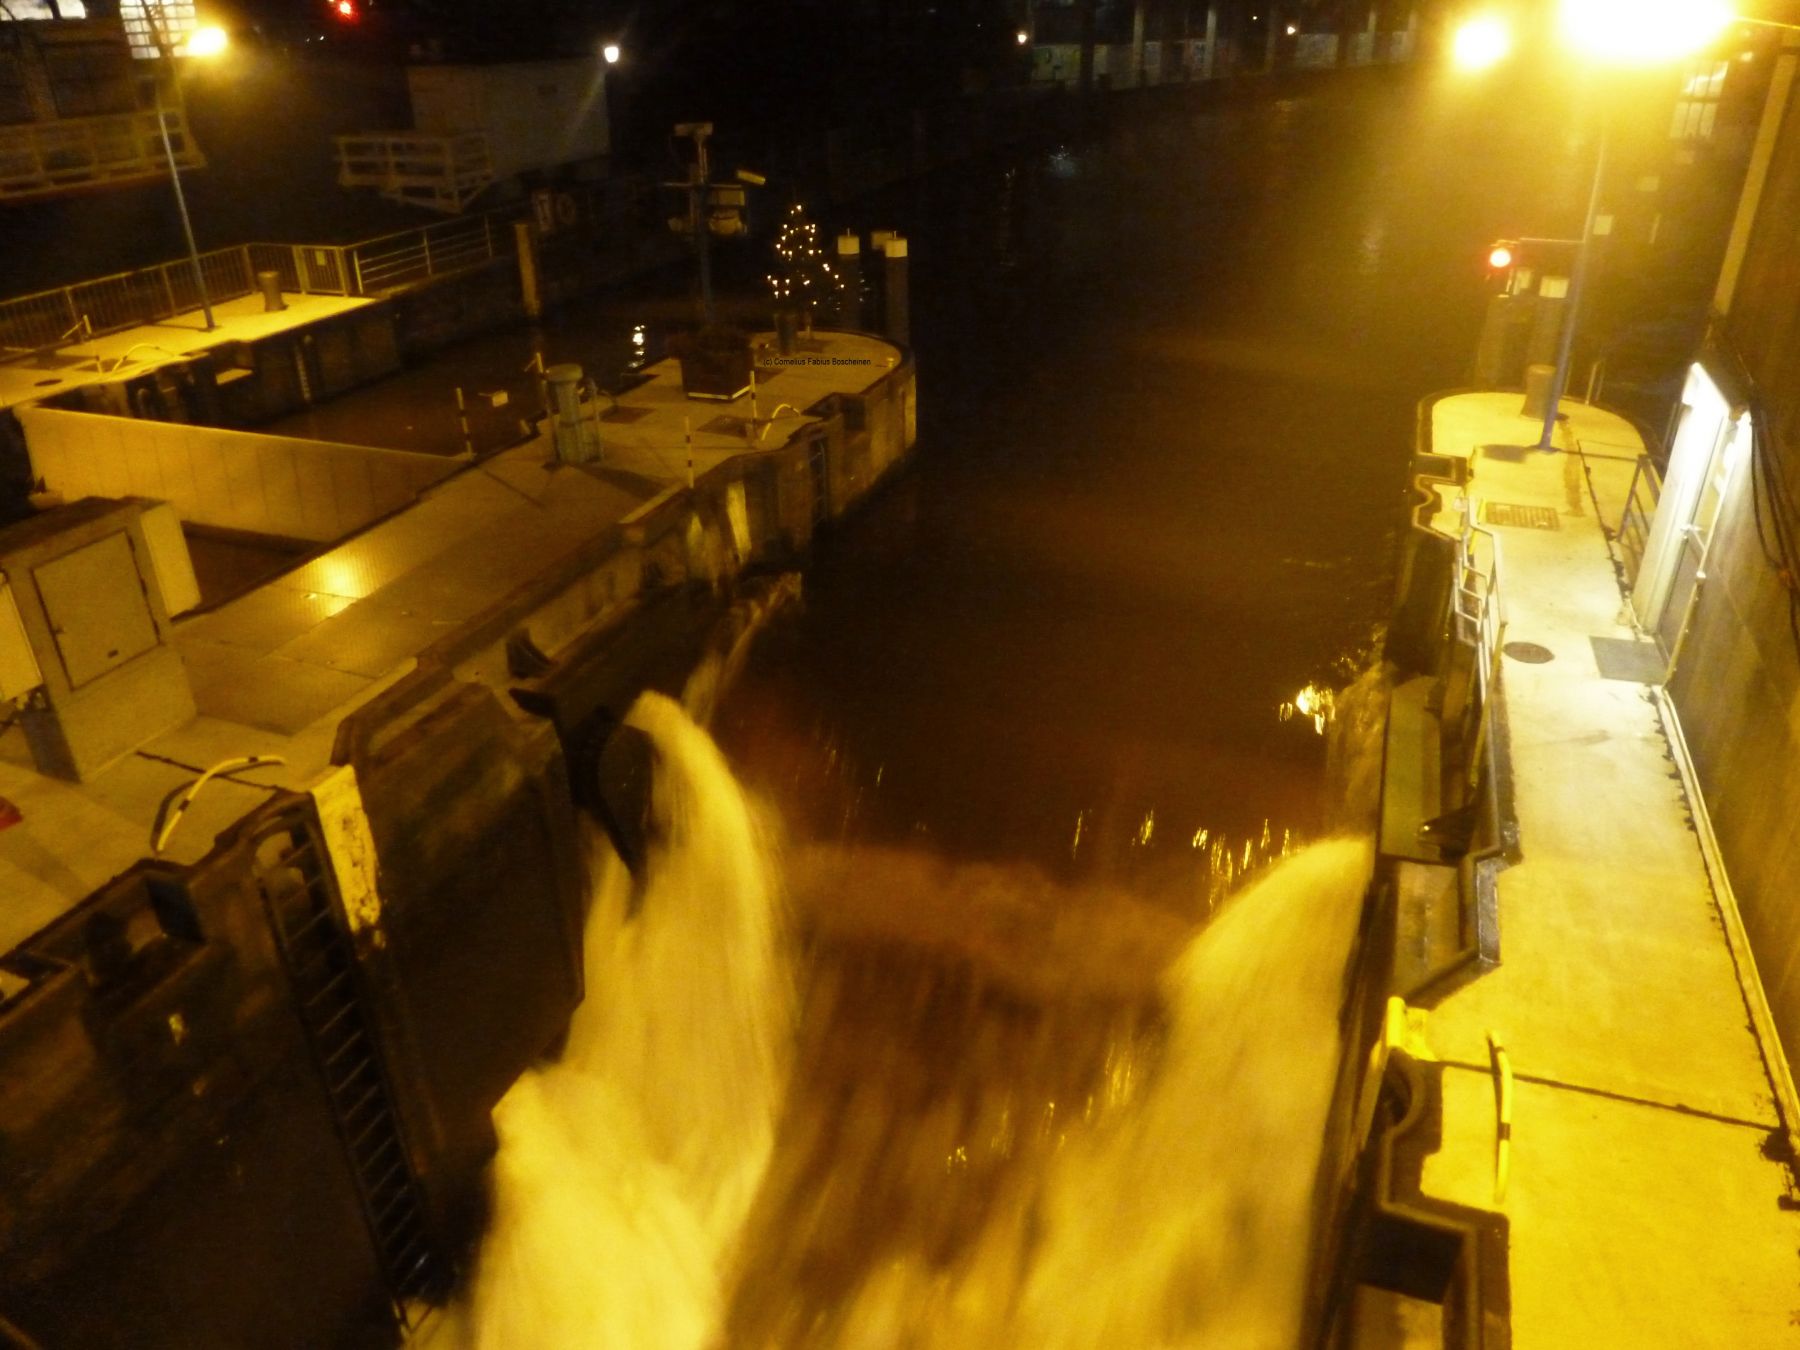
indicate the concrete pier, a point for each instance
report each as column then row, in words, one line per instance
column 1647, row 1202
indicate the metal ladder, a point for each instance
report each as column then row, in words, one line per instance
column 322, row 970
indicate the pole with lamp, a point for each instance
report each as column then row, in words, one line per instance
column 204, row 43
column 1620, row 33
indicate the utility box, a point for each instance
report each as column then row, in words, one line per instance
column 86, row 594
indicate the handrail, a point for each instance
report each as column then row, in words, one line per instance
column 1634, row 521
column 1478, row 598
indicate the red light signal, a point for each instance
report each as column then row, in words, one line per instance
column 345, row 9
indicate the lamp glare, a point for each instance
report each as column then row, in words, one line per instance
column 1643, row 32
column 1481, row 42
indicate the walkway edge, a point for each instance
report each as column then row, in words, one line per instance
column 1756, row 1002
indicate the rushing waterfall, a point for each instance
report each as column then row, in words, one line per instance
column 640, row 1177
column 624, row 1169
column 1189, row 1223
column 1182, row 1217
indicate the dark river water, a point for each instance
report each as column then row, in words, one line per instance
column 1167, row 388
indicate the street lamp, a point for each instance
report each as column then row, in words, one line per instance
column 204, row 43
column 1481, row 42
column 1642, row 32
column 1620, row 33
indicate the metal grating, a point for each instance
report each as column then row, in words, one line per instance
column 1520, row 517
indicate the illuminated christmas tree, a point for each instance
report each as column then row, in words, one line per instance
column 804, row 282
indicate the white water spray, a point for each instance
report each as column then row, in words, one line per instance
column 1190, row 1223
column 625, row 1169
column 1184, row 1220
column 1177, row 1219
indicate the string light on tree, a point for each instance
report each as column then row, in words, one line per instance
column 807, row 280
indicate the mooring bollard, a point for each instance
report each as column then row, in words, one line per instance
column 898, row 311
column 849, row 254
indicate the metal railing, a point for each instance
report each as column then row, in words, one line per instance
column 410, row 256
column 44, row 158
column 124, row 300
column 1480, row 623
column 1640, row 510
column 443, row 172
column 45, row 320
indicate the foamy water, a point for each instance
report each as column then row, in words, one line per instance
column 1184, row 1218
column 625, row 1169
column 1178, row 1216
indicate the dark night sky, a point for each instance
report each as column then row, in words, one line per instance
column 772, row 64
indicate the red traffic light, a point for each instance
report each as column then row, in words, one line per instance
column 344, row 9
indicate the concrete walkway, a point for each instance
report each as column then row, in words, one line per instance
column 1643, row 1209
column 149, row 345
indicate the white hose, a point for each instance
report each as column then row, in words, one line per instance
column 187, row 798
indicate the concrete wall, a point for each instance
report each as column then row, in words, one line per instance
column 234, row 480
column 1737, row 689
column 1737, row 684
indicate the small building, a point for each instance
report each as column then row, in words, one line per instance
column 79, row 105
column 474, row 126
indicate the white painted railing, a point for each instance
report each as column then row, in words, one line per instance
column 42, row 159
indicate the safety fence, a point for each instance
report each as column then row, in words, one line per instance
column 1640, row 509
column 46, row 320
column 44, row 159
column 67, row 314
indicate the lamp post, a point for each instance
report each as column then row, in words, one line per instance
column 1614, row 33
column 1609, row 33
column 203, row 42
column 1565, row 344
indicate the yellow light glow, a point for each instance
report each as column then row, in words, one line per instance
column 1500, row 257
column 208, row 41
column 1022, row 37
column 611, row 53
column 1643, row 32
column 1481, row 42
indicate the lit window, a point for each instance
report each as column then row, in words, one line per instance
column 173, row 18
column 40, row 9
column 1697, row 110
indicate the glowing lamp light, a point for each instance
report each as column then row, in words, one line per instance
column 346, row 9
column 207, row 42
column 610, row 53
column 1022, row 37
column 1482, row 41
column 1500, row 257
column 1643, row 32
column 1291, row 30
